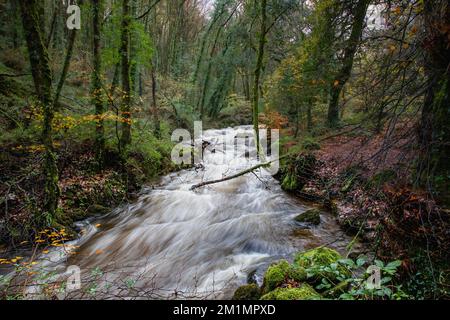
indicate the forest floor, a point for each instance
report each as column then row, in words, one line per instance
column 366, row 183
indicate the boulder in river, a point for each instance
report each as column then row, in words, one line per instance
column 309, row 216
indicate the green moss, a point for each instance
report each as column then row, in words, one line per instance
column 317, row 259
column 296, row 171
column 278, row 273
column 247, row 292
column 309, row 216
column 289, row 182
column 321, row 256
column 304, row 292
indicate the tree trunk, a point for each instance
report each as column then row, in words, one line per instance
column 13, row 27
column 133, row 49
column 62, row 79
column 434, row 134
column 349, row 53
column 259, row 65
column 115, row 79
column 126, row 82
column 309, row 115
column 43, row 83
column 155, row 106
column 40, row 17
column 97, row 83
column 207, row 75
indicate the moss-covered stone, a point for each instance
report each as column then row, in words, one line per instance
column 304, row 292
column 296, row 171
column 321, row 256
column 278, row 273
column 289, row 182
column 309, row 216
column 247, row 292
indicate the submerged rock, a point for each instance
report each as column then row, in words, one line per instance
column 303, row 233
column 304, row 292
column 247, row 292
column 309, row 216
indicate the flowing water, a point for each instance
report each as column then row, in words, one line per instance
column 177, row 243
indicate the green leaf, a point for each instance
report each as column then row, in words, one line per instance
column 394, row 264
column 361, row 261
column 379, row 263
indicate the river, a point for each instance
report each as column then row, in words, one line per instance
column 174, row 243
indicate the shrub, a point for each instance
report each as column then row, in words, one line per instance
column 310, row 144
column 13, row 58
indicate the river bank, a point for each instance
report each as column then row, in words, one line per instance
column 371, row 196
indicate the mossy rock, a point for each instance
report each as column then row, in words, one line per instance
column 304, row 292
column 318, row 258
column 247, row 292
column 278, row 273
column 289, row 182
column 297, row 171
column 309, row 216
column 321, row 256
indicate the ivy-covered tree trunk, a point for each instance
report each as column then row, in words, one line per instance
column 309, row 121
column 43, row 83
column 349, row 53
column 126, row 81
column 97, row 96
column 14, row 34
column 206, row 81
column 66, row 65
column 434, row 133
column 133, row 50
column 154, row 104
column 40, row 11
column 259, row 65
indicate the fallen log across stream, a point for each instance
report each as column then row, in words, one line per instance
column 250, row 170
